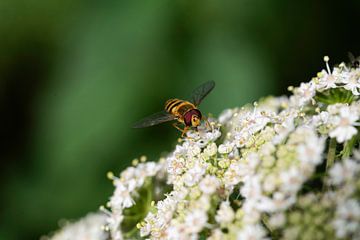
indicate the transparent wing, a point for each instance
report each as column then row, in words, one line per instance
column 351, row 56
column 201, row 92
column 354, row 61
column 154, row 119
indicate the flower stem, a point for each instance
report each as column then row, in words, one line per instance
column 330, row 159
column 348, row 147
column 265, row 221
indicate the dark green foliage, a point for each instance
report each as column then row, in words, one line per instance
column 335, row 95
column 138, row 212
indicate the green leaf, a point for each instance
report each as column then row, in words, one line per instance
column 138, row 212
column 335, row 95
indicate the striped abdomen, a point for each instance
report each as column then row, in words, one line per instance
column 178, row 107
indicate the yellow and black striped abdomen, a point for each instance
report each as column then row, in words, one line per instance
column 171, row 104
column 178, row 107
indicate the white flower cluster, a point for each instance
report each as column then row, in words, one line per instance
column 89, row 228
column 341, row 76
column 240, row 179
column 345, row 177
column 268, row 167
column 282, row 168
column 333, row 214
column 126, row 186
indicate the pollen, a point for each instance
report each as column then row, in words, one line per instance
column 135, row 162
column 143, row 158
column 110, row 175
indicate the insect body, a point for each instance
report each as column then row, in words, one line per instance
column 354, row 61
column 183, row 111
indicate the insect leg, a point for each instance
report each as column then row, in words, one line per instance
column 184, row 131
column 177, row 127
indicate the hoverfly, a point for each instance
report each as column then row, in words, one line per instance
column 354, row 61
column 185, row 112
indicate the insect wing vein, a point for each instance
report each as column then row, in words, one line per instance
column 202, row 91
column 154, row 119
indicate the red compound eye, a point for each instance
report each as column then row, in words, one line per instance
column 189, row 114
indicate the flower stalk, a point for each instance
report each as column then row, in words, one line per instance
column 330, row 158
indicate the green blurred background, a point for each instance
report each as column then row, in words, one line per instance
column 75, row 75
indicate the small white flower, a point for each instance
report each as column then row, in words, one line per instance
column 311, row 151
column 176, row 166
column 344, row 128
column 267, row 149
column 327, row 80
column 150, row 169
column 122, row 196
column 225, row 148
column 145, row 229
column 304, row 93
column 277, row 220
column 211, row 149
column 211, row 136
column 284, row 128
column 255, row 121
column 242, row 138
column 113, row 221
column 176, row 232
column 292, row 180
column 334, row 109
column 347, row 218
column 225, row 214
column 216, row 234
column 209, row 184
column 195, row 221
column 181, row 150
column 231, row 176
column 253, row 160
column 270, row 183
column 352, row 81
column 252, row 188
column 252, row 232
column 251, row 213
column 202, row 203
column 321, row 118
column 343, row 134
column 343, row 171
column 193, row 150
column 128, row 174
column 194, row 174
column 278, row 202
column 89, row 227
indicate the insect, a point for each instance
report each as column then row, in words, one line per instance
column 355, row 61
column 185, row 112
